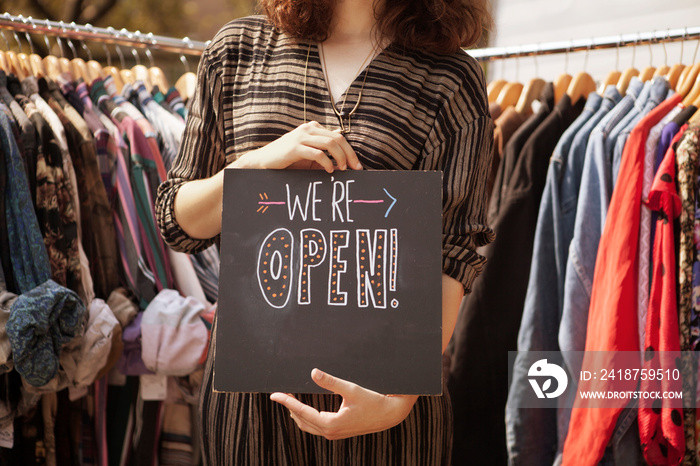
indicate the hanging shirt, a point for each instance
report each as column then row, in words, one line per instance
column 148, row 172
column 75, row 265
column 140, row 278
column 591, row 211
column 54, row 203
column 687, row 164
column 532, row 433
column 74, row 141
column 514, row 146
column 159, row 97
column 505, row 126
column 169, row 127
column 159, row 174
column 27, row 133
column 490, row 318
column 174, row 98
column 104, row 141
column 658, row 91
column 98, row 240
column 613, row 299
column 645, row 242
column 660, row 425
column 30, row 262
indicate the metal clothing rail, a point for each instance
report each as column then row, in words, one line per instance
column 97, row 34
column 609, row 42
column 191, row 47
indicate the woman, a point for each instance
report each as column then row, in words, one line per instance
column 336, row 85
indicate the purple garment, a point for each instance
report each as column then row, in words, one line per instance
column 131, row 362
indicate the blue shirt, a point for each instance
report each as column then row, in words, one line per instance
column 532, row 433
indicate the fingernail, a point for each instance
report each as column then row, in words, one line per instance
column 358, row 166
column 316, row 374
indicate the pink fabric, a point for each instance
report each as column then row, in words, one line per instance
column 173, row 334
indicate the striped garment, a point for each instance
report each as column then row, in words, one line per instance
column 419, row 111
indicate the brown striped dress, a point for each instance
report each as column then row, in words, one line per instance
column 419, row 111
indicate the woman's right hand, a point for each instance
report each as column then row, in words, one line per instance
column 307, row 146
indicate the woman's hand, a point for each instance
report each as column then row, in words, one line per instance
column 362, row 411
column 307, row 146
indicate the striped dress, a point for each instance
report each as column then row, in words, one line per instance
column 419, row 111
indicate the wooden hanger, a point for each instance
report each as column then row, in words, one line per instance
column 561, row 85
column 610, row 80
column 141, row 74
column 582, row 85
column 15, row 65
column 111, row 70
column 187, row 83
column 127, row 76
column 4, row 65
column 94, row 70
column 91, row 69
column 529, row 94
column 50, row 63
column 684, row 75
column 693, row 96
column 662, row 70
column 696, row 116
column 625, row 79
column 25, row 64
column 687, row 85
column 509, row 95
column 158, row 79
column 647, row 73
column 78, row 67
column 65, row 66
column 18, row 62
column 493, row 88
column 37, row 65
column 673, row 74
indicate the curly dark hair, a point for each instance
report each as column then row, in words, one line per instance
column 437, row 25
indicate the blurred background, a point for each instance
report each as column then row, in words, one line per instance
column 517, row 22
column 196, row 19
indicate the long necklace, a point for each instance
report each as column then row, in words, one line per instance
column 340, row 114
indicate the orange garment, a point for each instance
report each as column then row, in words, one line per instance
column 613, row 309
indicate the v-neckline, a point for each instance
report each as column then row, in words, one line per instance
column 360, row 75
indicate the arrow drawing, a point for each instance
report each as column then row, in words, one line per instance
column 378, row 201
column 264, row 203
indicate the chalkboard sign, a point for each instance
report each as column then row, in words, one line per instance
column 340, row 272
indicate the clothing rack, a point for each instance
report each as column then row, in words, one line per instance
column 595, row 43
column 109, row 35
column 185, row 45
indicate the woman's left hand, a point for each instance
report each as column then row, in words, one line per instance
column 362, row 411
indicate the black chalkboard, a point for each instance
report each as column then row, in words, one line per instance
column 340, row 271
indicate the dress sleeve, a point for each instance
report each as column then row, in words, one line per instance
column 460, row 147
column 201, row 154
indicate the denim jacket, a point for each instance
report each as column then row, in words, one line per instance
column 658, row 90
column 593, row 199
column 592, row 207
column 531, row 434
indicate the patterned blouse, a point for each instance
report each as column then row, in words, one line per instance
column 419, row 111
